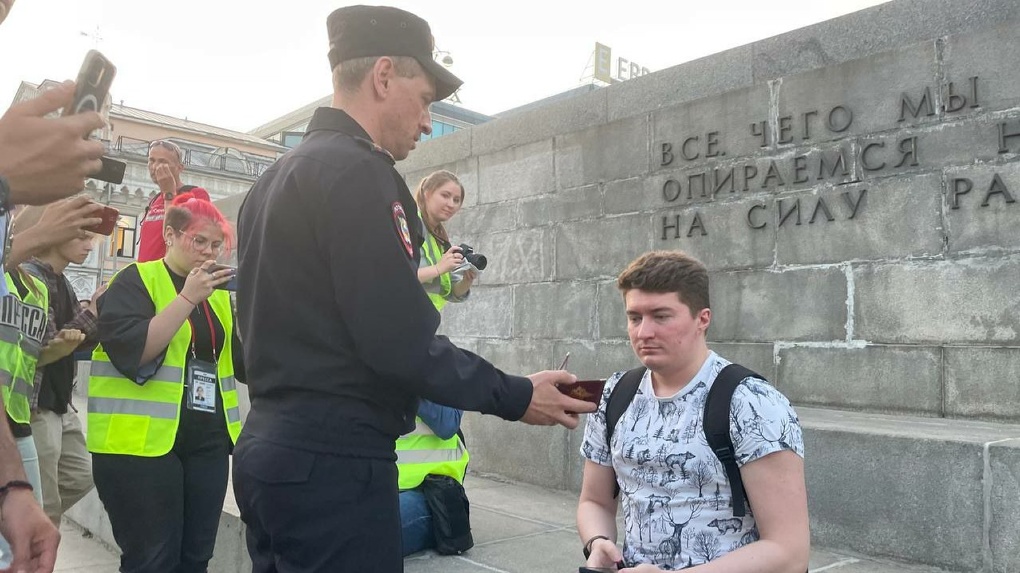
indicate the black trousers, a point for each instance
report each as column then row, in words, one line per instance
column 307, row 512
column 165, row 510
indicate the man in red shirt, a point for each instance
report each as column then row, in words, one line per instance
column 165, row 169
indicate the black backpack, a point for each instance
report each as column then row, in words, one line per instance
column 716, row 420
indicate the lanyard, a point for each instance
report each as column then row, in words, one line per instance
column 212, row 330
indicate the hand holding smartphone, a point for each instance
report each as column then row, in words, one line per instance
column 92, row 88
column 230, row 285
column 109, row 216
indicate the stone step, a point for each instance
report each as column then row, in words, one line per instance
column 936, row 491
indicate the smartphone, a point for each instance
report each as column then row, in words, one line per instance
column 93, row 84
column 587, row 390
column 230, row 285
column 109, row 216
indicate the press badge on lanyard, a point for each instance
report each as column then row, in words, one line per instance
column 202, row 380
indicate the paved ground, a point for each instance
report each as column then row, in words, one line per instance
column 517, row 528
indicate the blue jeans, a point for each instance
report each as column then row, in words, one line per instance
column 415, row 522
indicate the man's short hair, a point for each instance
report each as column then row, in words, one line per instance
column 347, row 76
column 668, row 271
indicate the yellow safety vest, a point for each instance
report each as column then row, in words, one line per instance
column 421, row 453
column 438, row 288
column 22, row 328
column 142, row 420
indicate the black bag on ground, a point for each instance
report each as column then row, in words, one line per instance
column 451, row 523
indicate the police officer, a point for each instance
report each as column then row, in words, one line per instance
column 339, row 337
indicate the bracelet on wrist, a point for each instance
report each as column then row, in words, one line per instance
column 587, row 546
column 187, row 299
column 12, row 485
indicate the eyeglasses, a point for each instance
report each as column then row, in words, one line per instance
column 199, row 243
column 167, row 145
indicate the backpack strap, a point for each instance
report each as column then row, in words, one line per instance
column 618, row 402
column 717, row 428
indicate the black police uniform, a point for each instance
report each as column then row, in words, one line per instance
column 339, row 341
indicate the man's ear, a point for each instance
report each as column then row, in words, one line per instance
column 704, row 319
column 382, row 74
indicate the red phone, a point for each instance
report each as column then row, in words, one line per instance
column 109, row 216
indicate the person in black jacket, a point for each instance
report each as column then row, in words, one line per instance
column 339, row 337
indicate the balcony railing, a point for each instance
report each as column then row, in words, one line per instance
column 249, row 165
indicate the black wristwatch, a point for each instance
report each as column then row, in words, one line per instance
column 5, row 196
column 587, row 546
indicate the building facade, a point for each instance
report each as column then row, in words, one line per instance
column 223, row 162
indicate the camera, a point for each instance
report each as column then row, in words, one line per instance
column 477, row 260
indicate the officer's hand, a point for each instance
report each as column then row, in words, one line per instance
column 451, row 260
column 200, row 282
column 32, row 535
column 549, row 406
column 45, row 159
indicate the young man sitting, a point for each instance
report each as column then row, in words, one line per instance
column 676, row 495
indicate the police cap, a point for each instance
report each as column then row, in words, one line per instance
column 371, row 31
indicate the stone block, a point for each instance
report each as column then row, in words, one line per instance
column 870, row 478
column 895, row 218
column 439, row 151
column 517, row 172
column 563, row 205
column 927, row 149
column 765, row 306
column 879, row 28
column 533, row 454
column 521, row 256
column 554, row 310
column 983, row 219
column 991, row 56
column 1004, row 528
column 594, row 360
column 587, row 250
column 612, row 314
column 604, row 153
column 485, row 218
column 823, row 165
column 856, row 97
column 718, row 73
column 709, row 129
column 519, row 356
column 874, row 378
column 489, row 314
column 940, row 302
column 758, row 357
column 565, row 116
column 633, row 195
column 982, row 382
column 718, row 234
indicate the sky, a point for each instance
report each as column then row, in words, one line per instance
column 241, row 63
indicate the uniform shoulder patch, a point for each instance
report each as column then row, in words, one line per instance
column 403, row 231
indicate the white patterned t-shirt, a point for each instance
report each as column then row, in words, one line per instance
column 675, row 496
